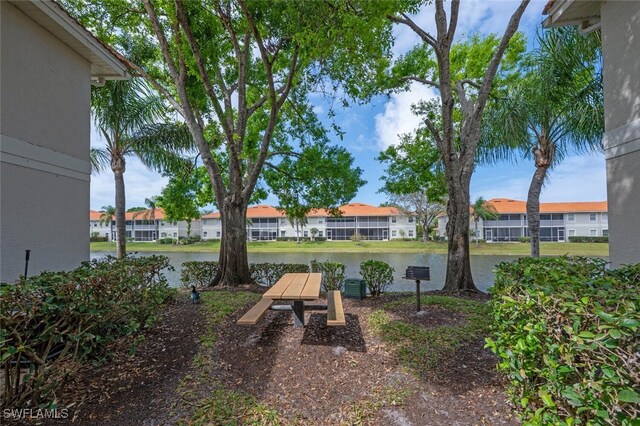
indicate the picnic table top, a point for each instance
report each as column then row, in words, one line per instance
column 295, row 287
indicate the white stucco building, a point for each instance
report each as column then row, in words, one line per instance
column 373, row 223
column 143, row 225
column 558, row 221
column 619, row 23
column 48, row 64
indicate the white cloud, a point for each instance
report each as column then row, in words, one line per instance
column 397, row 117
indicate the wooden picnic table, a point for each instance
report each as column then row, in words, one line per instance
column 296, row 287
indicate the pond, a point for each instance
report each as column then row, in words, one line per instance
column 482, row 266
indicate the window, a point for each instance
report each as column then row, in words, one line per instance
column 410, row 219
column 571, row 217
column 394, row 233
column 320, row 234
column 218, row 234
column 283, row 221
column 306, row 233
column 161, row 223
column 545, row 217
column 175, row 234
column 605, row 232
column 410, row 232
column 593, row 233
column 592, row 217
column 283, row 233
column 556, row 216
column 320, row 221
column 394, row 219
column 204, row 234
column 572, row 232
column 95, row 224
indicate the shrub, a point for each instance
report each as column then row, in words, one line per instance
column 524, row 239
column 54, row 321
column 268, row 274
column 588, row 239
column 332, row 274
column 198, row 273
column 357, row 238
column 98, row 239
column 567, row 334
column 166, row 240
column 378, row 275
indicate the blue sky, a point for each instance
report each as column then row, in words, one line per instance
column 371, row 128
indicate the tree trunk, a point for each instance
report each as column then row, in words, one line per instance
column 543, row 155
column 118, row 168
column 458, row 276
column 533, row 208
column 234, row 262
column 425, row 232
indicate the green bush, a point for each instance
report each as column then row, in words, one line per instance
column 524, row 239
column 378, row 276
column 332, row 274
column 198, row 273
column 268, row 274
column 54, row 321
column 97, row 239
column 166, row 240
column 566, row 331
column 588, row 239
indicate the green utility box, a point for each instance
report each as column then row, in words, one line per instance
column 355, row 288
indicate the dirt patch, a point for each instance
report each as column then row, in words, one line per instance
column 313, row 375
column 135, row 389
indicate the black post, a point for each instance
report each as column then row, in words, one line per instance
column 26, row 262
column 298, row 313
column 418, row 295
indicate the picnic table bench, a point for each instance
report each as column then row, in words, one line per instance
column 297, row 288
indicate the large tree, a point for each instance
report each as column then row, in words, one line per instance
column 228, row 68
column 555, row 108
column 463, row 80
column 130, row 116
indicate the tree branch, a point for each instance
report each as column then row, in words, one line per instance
column 425, row 36
column 422, row 80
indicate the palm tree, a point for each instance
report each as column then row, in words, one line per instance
column 152, row 203
column 130, row 117
column 555, row 109
column 482, row 209
column 106, row 216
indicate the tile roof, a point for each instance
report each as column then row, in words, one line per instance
column 139, row 215
column 506, row 205
column 351, row 209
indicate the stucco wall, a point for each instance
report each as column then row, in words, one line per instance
column 44, row 125
column 621, row 44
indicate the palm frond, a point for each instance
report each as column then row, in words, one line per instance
column 99, row 159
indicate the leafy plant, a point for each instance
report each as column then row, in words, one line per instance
column 198, row 273
column 378, row 276
column 333, row 275
column 54, row 321
column 268, row 274
column 567, row 334
column 588, row 239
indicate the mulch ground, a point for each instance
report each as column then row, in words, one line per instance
column 313, row 375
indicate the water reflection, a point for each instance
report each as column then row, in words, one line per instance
column 482, row 266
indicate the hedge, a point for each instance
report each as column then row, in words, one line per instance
column 301, row 239
column 198, row 273
column 333, row 274
column 55, row 321
column 202, row 273
column 588, row 239
column 566, row 331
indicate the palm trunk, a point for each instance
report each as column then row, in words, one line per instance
column 233, row 260
column 533, row 208
column 121, row 234
column 543, row 155
column 458, row 276
column 425, row 231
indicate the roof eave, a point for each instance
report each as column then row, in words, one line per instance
column 52, row 17
column 571, row 12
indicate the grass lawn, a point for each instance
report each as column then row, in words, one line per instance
column 520, row 249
